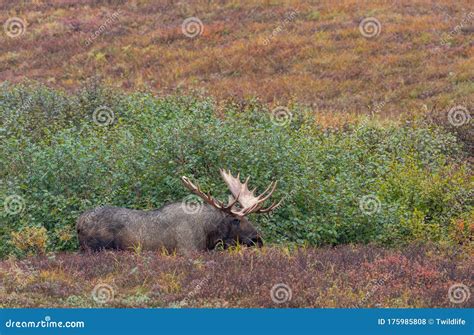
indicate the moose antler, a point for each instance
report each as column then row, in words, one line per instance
column 246, row 198
column 240, row 193
column 196, row 189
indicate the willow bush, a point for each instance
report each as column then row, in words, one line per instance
column 64, row 153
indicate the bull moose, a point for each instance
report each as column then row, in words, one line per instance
column 173, row 228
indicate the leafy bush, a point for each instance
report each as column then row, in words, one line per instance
column 365, row 183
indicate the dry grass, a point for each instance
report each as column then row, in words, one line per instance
column 316, row 56
column 363, row 276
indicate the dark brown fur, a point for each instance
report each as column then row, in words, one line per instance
column 169, row 228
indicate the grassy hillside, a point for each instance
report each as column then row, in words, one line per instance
column 420, row 55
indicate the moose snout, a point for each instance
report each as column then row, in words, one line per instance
column 255, row 241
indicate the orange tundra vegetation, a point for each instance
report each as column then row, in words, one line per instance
column 280, row 51
column 345, row 276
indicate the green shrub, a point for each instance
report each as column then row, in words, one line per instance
column 61, row 162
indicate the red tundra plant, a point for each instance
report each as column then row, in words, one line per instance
column 345, row 276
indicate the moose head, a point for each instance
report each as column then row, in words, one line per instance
column 235, row 227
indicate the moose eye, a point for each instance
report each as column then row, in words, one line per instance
column 235, row 222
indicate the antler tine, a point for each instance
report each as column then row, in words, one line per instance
column 273, row 187
column 257, row 207
column 231, row 203
column 244, row 211
column 196, row 189
column 270, row 208
column 247, row 199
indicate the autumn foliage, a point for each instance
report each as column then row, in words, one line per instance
column 345, row 276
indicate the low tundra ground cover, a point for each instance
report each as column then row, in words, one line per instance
column 346, row 276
